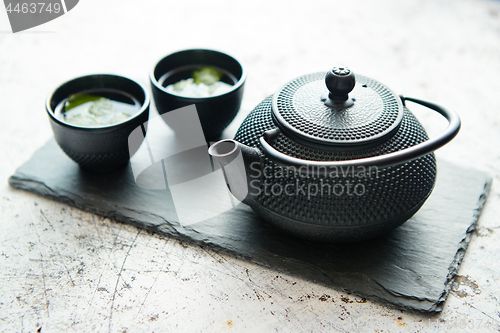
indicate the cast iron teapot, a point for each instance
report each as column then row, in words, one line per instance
column 336, row 157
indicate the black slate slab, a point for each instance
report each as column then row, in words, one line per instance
column 412, row 267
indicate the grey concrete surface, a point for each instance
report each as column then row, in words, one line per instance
column 62, row 269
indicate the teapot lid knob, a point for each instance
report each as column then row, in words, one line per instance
column 340, row 81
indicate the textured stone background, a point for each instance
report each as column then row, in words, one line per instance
column 59, row 267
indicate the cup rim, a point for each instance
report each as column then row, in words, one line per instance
column 144, row 107
column 236, row 86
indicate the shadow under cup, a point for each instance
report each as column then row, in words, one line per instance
column 104, row 148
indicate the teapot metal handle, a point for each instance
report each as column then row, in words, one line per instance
column 383, row 161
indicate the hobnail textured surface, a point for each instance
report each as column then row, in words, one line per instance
column 390, row 196
column 299, row 107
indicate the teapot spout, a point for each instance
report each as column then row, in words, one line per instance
column 235, row 159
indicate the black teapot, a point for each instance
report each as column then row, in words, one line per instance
column 336, row 157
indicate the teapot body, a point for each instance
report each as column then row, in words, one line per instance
column 334, row 157
column 340, row 204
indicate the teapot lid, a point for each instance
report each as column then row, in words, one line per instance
column 338, row 108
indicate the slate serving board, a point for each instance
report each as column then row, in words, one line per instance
column 412, row 267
